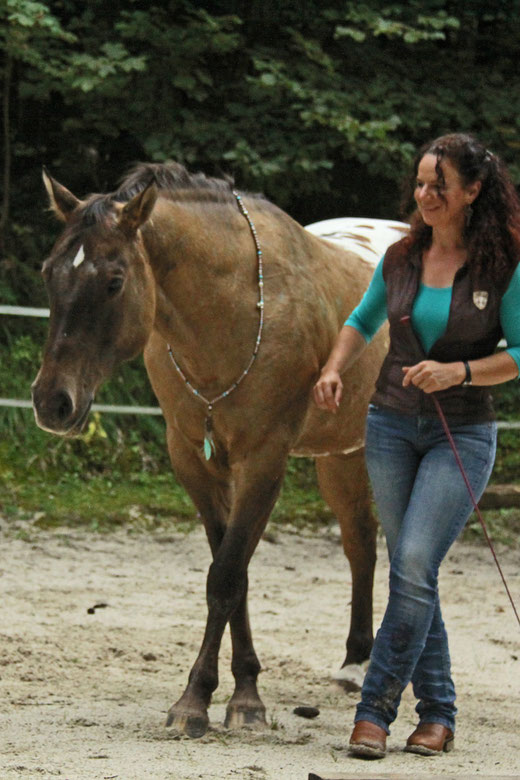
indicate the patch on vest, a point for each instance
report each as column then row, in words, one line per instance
column 480, row 299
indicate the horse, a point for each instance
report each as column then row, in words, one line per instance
column 235, row 306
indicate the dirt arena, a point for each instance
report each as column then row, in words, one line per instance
column 85, row 694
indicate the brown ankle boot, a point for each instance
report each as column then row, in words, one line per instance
column 367, row 740
column 430, row 739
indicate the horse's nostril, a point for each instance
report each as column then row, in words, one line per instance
column 63, row 406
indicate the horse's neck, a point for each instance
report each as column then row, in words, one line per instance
column 204, row 264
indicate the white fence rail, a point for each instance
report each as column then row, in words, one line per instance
column 24, row 311
column 27, row 311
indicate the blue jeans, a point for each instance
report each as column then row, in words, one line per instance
column 423, row 504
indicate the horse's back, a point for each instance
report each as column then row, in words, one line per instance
column 368, row 238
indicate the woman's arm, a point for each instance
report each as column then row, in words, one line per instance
column 358, row 330
column 430, row 376
column 493, row 370
column 329, row 388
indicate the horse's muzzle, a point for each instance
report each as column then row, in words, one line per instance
column 56, row 412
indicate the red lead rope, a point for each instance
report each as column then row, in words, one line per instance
column 473, row 499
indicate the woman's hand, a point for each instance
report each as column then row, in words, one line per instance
column 328, row 390
column 347, row 348
column 430, row 376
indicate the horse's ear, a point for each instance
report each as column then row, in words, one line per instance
column 138, row 209
column 62, row 202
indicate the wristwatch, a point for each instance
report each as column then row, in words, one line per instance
column 467, row 379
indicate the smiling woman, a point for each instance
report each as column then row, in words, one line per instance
column 444, row 203
column 457, row 275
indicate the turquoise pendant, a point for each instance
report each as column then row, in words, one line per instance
column 209, row 444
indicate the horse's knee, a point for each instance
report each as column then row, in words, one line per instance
column 225, row 587
column 359, row 541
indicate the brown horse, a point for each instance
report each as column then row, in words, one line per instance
column 170, row 264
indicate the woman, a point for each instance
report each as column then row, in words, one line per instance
column 455, row 278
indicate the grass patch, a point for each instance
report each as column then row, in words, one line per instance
column 104, row 498
column 110, row 478
column 139, row 502
column 115, row 476
column 507, row 463
column 300, row 502
column 503, row 526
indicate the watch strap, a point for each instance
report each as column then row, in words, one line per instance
column 467, row 378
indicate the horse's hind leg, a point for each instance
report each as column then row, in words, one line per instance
column 344, row 485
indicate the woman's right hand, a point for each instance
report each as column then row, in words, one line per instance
column 328, row 390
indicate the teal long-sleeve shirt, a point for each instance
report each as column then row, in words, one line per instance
column 430, row 312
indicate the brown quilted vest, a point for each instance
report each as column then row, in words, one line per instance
column 473, row 331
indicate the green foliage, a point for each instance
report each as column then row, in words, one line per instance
column 507, row 404
column 393, row 21
column 318, row 104
column 99, row 71
column 503, row 527
column 33, row 36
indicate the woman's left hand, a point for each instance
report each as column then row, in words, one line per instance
column 430, row 376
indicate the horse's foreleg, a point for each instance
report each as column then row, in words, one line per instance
column 344, row 485
column 245, row 707
column 255, row 491
column 210, row 495
column 257, row 481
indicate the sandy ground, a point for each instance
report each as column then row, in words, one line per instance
column 84, row 696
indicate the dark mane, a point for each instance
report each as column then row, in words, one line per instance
column 172, row 180
column 169, row 178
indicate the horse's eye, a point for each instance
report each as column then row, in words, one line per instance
column 114, row 285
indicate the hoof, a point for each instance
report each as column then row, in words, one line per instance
column 237, row 717
column 350, row 677
column 193, row 725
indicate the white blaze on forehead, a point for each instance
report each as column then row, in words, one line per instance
column 79, row 257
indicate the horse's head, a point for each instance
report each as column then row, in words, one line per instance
column 102, row 302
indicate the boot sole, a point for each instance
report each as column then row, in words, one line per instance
column 423, row 750
column 365, row 751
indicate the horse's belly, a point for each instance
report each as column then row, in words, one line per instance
column 326, row 434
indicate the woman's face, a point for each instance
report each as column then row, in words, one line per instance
column 443, row 205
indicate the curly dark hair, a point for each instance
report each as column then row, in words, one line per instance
column 493, row 232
